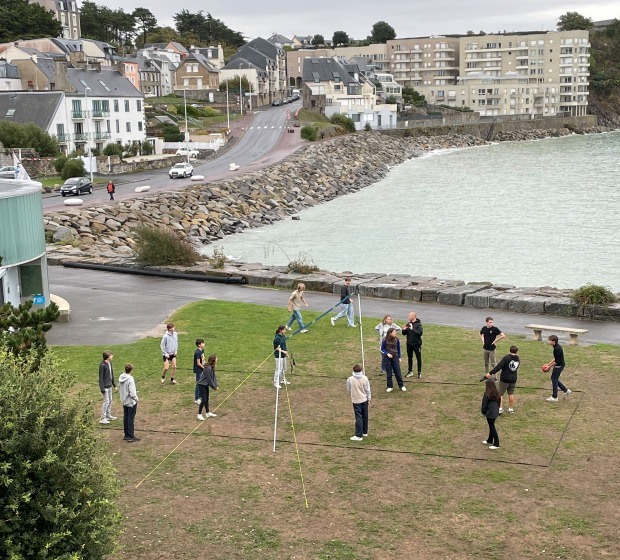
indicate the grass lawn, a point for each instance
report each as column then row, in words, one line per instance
column 422, row 485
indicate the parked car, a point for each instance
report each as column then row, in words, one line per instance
column 7, row 172
column 181, row 170
column 183, row 151
column 76, row 186
column 276, row 102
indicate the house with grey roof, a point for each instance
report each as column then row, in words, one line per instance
column 10, row 80
column 334, row 87
column 215, row 55
column 281, row 41
column 67, row 13
column 197, row 73
column 258, row 80
column 150, row 77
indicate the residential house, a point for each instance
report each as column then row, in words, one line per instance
column 36, row 69
column 302, row 41
column 150, row 77
column 67, row 13
column 10, row 80
column 215, row 55
column 172, row 47
column 258, row 80
column 388, row 86
column 128, row 67
column 197, row 73
column 281, row 41
column 331, row 87
column 98, row 51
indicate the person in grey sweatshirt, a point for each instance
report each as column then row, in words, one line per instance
column 359, row 389
column 169, row 348
column 129, row 398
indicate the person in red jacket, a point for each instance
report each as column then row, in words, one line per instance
column 111, row 189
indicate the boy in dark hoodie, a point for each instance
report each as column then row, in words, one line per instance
column 129, row 398
column 106, row 386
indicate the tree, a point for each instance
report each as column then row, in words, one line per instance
column 145, row 20
column 573, row 20
column 20, row 19
column 206, row 29
column 318, row 40
column 17, row 135
column 340, row 39
column 57, row 484
column 233, row 85
column 382, row 32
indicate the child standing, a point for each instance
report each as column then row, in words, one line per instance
column 129, row 398
column 359, row 388
column 490, row 409
column 390, row 348
column 199, row 364
column 382, row 329
column 294, row 307
column 207, row 379
column 280, row 353
column 169, row 347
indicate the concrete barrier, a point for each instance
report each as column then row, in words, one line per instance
column 198, row 177
column 63, row 307
column 144, row 188
column 233, row 167
column 73, row 202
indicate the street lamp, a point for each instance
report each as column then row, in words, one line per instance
column 227, row 109
column 240, row 92
column 87, row 118
column 186, row 131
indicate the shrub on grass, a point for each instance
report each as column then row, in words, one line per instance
column 343, row 121
column 60, row 162
column 73, row 168
column 303, row 264
column 590, row 296
column 57, row 484
column 218, row 258
column 113, row 150
column 160, row 246
column 309, row 133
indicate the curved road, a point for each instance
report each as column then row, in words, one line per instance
column 263, row 141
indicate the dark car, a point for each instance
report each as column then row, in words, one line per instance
column 76, row 186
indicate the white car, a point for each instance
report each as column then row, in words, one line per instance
column 184, row 151
column 181, row 170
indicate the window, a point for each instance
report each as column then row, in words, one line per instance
column 140, row 126
column 139, row 105
column 60, row 130
column 126, row 105
column 118, row 126
column 116, row 105
column 128, row 126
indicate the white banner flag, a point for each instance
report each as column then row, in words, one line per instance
column 20, row 172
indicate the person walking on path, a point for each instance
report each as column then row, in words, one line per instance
column 413, row 330
column 294, row 307
column 169, row 348
column 106, row 386
column 558, row 365
column 199, row 364
column 359, row 389
column 382, row 329
column 390, row 348
column 490, row 335
column 280, row 353
column 509, row 367
column 111, row 188
column 129, row 399
column 207, row 380
column 490, row 409
column 346, row 303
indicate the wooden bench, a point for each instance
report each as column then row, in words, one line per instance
column 574, row 333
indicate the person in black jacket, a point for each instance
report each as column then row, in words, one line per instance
column 347, row 305
column 207, row 379
column 414, row 331
column 106, row 385
column 490, row 409
column 557, row 366
column 509, row 367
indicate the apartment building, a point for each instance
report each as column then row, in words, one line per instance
column 67, row 13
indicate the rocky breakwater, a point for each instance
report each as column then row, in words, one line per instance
column 541, row 134
column 205, row 213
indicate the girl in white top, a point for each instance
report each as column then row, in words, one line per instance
column 382, row 329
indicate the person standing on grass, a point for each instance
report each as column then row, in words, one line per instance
column 169, row 348
column 558, row 365
column 199, row 364
column 359, row 389
column 111, row 188
column 490, row 409
column 509, row 367
column 294, row 307
column 280, row 353
column 390, row 348
column 413, row 331
column 129, row 398
column 207, row 379
column 347, row 306
column 106, row 386
column 489, row 335
column 382, row 329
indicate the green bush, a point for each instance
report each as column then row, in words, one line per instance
column 172, row 133
column 113, row 150
column 211, row 112
column 367, row 127
column 309, row 133
column 590, row 296
column 146, row 148
column 57, row 483
column 73, row 168
column 161, row 246
column 343, row 121
column 60, row 162
column 303, row 264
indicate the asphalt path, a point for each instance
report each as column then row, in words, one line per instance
column 111, row 308
column 261, row 140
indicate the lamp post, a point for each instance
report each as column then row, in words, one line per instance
column 186, row 131
column 240, row 93
column 227, row 109
column 87, row 118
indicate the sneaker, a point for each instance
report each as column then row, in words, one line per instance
column 286, row 383
column 200, row 416
column 104, row 421
column 303, row 330
column 552, row 399
column 112, row 418
column 511, row 410
column 365, row 435
column 410, row 374
column 353, row 326
column 163, row 380
column 197, row 401
column 501, row 410
column 132, row 439
column 333, row 321
column 568, row 392
column 277, row 386
column 211, row 414
column 173, row 381
column 493, row 446
column 485, row 442
column 355, row 438
column 288, row 328
column 419, row 376
column 403, row 388
column 389, row 389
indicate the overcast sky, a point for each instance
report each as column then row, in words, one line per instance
column 409, row 18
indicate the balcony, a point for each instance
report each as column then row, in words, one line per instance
column 101, row 135
column 79, row 115
column 63, row 138
column 99, row 114
column 80, row 137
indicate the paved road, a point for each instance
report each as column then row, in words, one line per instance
column 262, row 141
column 112, row 308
